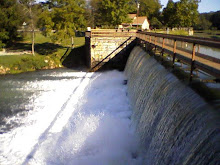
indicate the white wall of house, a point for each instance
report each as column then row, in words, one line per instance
column 145, row 25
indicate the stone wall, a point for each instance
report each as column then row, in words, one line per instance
column 99, row 48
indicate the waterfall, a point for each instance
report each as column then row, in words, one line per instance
column 175, row 125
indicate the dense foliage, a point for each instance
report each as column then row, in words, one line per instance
column 9, row 21
column 63, row 17
column 209, row 21
column 111, row 13
column 183, row 13
column 60, row 19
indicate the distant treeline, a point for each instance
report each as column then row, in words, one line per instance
column 209, row 21
column 61, row 19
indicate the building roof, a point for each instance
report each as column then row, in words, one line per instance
column 139, row 20
column 136, row 20
column 131, row 16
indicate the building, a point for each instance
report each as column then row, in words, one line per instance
column 137, row 21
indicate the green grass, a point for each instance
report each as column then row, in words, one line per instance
column 7, row 60
column 47, row 54
column 179, row 32
column 175, row 32
column 207, row 34
column 215, row 34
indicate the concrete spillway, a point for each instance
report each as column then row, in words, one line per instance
column 175, row 124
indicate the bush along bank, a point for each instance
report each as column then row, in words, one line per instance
column 12, row 65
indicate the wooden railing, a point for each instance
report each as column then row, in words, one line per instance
column 111, row 33
column 172, row 45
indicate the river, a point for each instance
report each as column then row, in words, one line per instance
column 66, row 117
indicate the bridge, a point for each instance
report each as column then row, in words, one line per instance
column 104, row 44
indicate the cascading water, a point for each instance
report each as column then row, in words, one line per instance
column 66, row 117
column 175, row 125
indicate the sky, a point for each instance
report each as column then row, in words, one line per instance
column 204, row 5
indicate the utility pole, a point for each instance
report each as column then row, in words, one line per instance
column 138, row 6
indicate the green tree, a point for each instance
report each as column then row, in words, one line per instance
column 10, row 20
column 64, row 18
column 187, row 13
column 181, row 14
column 203, row 23
column 30, row 12
column 112, row 12
column 155, row 23
column 215, row 19
column 169, row 16
column 150, row 8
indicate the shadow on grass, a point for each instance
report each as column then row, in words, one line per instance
column 74, row 57
column 42, row 49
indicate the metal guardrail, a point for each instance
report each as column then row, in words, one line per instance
column 208, row 64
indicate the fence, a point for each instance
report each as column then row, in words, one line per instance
column 175, row 46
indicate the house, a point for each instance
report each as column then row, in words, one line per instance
column 137, row 21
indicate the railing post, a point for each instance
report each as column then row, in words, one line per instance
column 155, row 46
column 174, row 52
column 150, row 39
column 192, row 61
column 198, row 50
column 163, row 44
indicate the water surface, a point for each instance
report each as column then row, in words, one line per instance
column 66, row 117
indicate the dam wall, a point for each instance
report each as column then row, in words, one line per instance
column 104, row 46
column 175, row 125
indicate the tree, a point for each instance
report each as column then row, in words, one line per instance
column 203, row 23
column 9, row 22
column 215, row 19
column 111, row 12
column 181, row 14
column 29, row 10
column 155, row 23
column 92, row 13
column 64, row 18
column 150, row 8
column 169, row 14
column 187, row 13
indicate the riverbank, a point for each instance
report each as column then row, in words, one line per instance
column 48, row 55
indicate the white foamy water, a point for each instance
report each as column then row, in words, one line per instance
column 84, row 120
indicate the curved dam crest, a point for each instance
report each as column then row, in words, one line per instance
column 175, row 125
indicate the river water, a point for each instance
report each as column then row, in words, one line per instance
column 66, row 117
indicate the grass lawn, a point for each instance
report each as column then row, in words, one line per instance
column 208, row 34
column 47, row 54
column 176, row 32
column 215, row 34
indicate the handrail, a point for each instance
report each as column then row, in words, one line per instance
column 190, row 39
column 192, row 57
column 203, row 62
